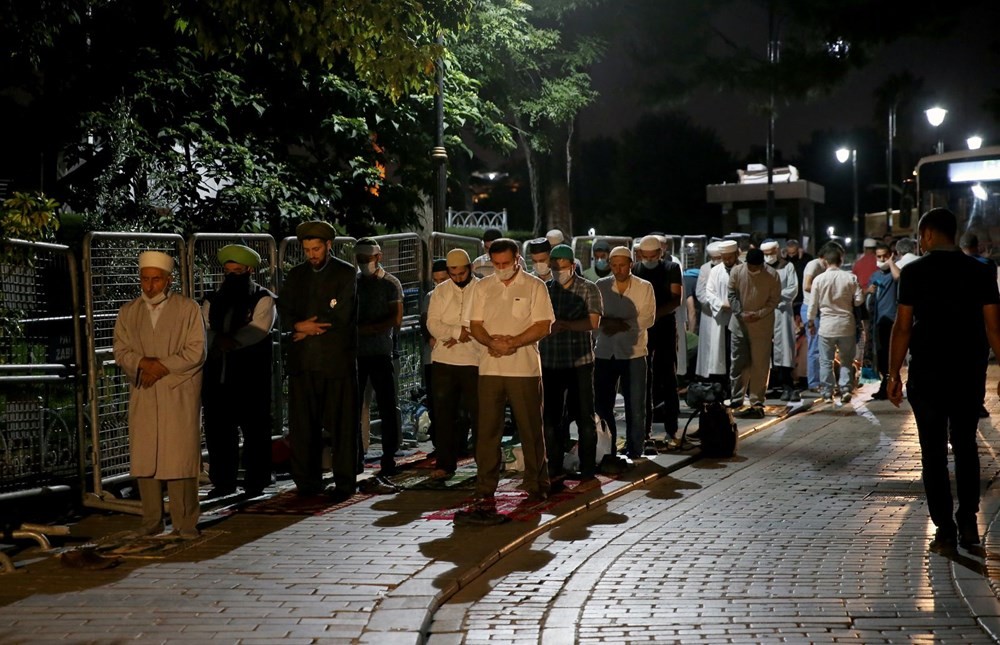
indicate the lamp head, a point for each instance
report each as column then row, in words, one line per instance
column 843, row 154
column 935, row 115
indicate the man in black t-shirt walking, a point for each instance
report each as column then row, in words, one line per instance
column 945, row 294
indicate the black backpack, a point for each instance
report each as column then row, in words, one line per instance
column 717, row 430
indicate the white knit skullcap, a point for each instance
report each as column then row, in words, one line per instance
column 620, row 251
column 156, row 260
column 770, row 245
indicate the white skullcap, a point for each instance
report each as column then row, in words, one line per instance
column 770, row 245
column 458, row 258
column 713, row 249
column 728, row 246
column 870, row 243
column 662, row 239
column 650, row 243
column 620, row 251
column 156, row 260
column 555, row 237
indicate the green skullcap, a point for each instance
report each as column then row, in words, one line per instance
column 561, row 252
column 315, row 229
column 239, row 254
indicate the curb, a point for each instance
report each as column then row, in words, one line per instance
column 420, row 634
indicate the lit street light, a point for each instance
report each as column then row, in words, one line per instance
column 935, row 116
column 979, row 192
column 974, row 142
column 843, row 155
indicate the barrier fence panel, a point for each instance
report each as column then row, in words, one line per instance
column 111, row 279
column 290, row 253
column 206, row 275
column 693, row 251
column 40, row 399
column 442, row 243
column 477, row 219
column 583, row 243
column 403, row 257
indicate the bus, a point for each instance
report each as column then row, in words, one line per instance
column 967, row 182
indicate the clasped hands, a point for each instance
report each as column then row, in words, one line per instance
column 612, row 326
column 464, row 337
column 749, row 316
column 309, row 327
column 151, row 370
column 502, row 346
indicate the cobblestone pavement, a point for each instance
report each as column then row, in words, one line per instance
column 816, row 532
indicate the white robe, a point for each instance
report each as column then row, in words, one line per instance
column 784, row 319
column 715, row 314
column 680, row 337
column 164, row 421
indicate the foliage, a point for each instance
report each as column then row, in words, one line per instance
column 30, row 217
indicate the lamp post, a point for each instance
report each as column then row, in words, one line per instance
column 843, row 155
column 888, row 169
column 974, row 142
column 439, row 155
column 935, row 116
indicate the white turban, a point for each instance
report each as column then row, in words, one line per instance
column 770, row 245
column 156, row 260
column 728, row 246
column 713, row 249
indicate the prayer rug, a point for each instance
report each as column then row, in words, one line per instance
column 512, row 502
column 291, row 503
column 125, row 545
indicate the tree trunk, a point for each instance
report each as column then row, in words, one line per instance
column 559, row 166
column 534, row 181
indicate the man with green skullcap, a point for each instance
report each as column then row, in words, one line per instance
column 236, row 389
column 568, row 364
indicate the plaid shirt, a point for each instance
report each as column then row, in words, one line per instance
column 571, row 348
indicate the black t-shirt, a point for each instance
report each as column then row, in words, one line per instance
column 662, row 276
column 947, row 290
column 800, row 268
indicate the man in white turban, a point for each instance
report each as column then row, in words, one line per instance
column 159, row 343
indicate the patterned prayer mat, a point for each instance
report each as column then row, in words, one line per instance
column 512, row 502
column 153, row 547
column 291, row 503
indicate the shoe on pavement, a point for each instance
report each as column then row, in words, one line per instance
column 750, row 412
column 944, row 540
column 338, row 494
column 968, row 532
column 378, row 485
column 185, row 534
column 649, row 448
column 479, row 517
column 846, row 398
column 881, row 395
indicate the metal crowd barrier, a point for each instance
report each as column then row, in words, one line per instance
column 692, row 251
column 40, row 347
column 111, row 279
column 583, row 243
column 442, row 243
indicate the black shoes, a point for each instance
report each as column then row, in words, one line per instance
column 750, row 412
column 968, row 532
column 944, row 541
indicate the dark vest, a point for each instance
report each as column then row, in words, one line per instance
column 249, row 364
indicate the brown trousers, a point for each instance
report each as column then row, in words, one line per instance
column 524, row 393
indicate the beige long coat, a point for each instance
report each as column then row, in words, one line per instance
column 163, row 420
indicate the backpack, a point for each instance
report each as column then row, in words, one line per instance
column 717, row 430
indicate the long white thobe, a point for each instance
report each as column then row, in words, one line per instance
column 784, row 318
column 712, row 347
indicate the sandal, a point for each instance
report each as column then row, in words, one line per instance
column 440, row 475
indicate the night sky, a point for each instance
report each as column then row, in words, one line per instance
column 960, row 70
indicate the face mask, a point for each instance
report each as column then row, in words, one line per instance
column 715, row 261
column 542, row 267
column 771, row 259
column 650, row 264
column 236, row 282
column 753, row 271
column 465, row 283
column 601, row 265
column 157, row 299
column 369, row 269
column 505, row 274
column 882, row 265
column 564, row 275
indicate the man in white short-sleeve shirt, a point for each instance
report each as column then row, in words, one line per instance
column 509, row 312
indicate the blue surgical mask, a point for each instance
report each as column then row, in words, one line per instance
column 650, row 264
column 601, row 264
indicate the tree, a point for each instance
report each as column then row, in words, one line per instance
column 537, row 75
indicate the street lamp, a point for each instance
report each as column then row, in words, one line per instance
column 843, row 155
column 935, row 116
column 974, row 142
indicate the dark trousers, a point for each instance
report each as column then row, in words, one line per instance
column 524, row 394
column 883, row 333
column 573, row 386
column 946, row 414
column 316, row 403
column 230, row 408
column 429, row 401
column 661, row 380
column 382, row 374
column 456, row 389
column 631, row 375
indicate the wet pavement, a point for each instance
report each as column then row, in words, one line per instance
column 816, row 531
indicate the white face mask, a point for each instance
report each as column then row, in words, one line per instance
column 564, row 275
column 771, row 259
column 505, row 274
column 650, row 264
column 715, row 261
column 882, row 265
column 542, row 267
column 155, row 300
column 369, row 269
